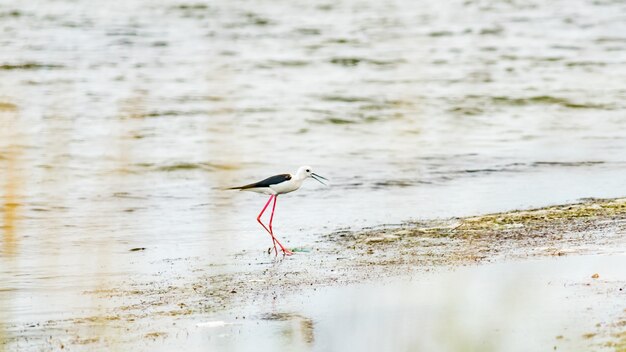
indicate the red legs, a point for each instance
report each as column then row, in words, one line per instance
column 258, row 218
column 285, row 251
column 270, row 231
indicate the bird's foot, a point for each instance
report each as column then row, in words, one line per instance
column 284, row 250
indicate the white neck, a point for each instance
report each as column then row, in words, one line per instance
column 300, row 175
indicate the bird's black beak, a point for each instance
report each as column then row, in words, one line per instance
column 318, row 177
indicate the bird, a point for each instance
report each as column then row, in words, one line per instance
column 275, row 186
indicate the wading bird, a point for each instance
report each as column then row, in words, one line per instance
column 276, row 185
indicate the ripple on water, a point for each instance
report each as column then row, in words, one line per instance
column 166, row 113
column 355, row 118
column 346, row 99
column 355, row 61
column 182, row 166
column 30, row 65
column 11, row 13
column 284, row 63
column 466, row 110
column 567, row 163
column 534, row 100
column 549, row 100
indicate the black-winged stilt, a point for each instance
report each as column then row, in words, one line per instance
column 276, row 185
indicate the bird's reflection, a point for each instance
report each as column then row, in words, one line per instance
column 298, row 329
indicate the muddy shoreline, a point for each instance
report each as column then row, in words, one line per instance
column 147, row 310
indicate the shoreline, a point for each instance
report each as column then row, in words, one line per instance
column 151, row 309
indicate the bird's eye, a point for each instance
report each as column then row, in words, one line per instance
column 307, row 170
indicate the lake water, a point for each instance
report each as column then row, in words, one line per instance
column 121, row 121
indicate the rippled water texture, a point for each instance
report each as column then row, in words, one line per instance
column 120, row 121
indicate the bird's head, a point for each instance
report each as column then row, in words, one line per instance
column 306, row 172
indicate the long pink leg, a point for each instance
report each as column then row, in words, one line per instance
column 285, row 250
column 258, row 218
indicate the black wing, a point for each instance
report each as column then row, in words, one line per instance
column 267, row 182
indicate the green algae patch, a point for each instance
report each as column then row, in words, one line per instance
column 475, row 236
column 542, row 216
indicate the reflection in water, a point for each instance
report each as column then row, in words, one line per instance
column 121, row 144
column 299, row 330
column 10, row 203
column 11, row 181
column 513, row 306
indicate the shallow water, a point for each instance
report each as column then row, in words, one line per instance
column 121, row 121
column 528, row 305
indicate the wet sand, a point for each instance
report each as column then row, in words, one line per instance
column 170, row 309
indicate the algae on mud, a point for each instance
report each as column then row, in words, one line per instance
column 502, row 223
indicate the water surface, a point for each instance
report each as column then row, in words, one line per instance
column 120, row 122
column 527, row 305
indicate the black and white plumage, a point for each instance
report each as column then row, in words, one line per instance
column 274, row 186
column 283, row 183
column 272, row 180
